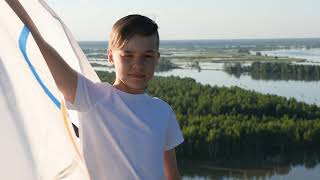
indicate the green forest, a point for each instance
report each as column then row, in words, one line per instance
column 225, row 122
column 275, row 71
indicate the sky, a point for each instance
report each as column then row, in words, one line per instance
column 196, row 19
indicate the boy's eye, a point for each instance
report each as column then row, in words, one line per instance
column 127, row 55
column 149, row 55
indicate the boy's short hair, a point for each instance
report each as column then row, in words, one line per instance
column 129, row 26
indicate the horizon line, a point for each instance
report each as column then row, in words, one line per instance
column 231, row 39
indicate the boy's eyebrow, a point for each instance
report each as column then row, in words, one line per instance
column 127, row 51
column 148, row 51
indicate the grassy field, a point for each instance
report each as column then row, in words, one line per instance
column 231, row 55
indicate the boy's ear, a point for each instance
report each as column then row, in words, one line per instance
column 158, row 58
column 110, row 56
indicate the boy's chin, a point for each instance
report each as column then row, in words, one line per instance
column 135, row 86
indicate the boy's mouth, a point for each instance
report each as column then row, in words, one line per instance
column 137, row 75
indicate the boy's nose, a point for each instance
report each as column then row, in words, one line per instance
column 138, row 64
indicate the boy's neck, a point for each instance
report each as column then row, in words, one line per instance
column 122, row 87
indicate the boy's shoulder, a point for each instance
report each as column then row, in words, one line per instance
column 158, row 100
column 160, row 103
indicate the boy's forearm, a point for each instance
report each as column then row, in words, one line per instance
column 170, row 165
column 25, row 18
column 64, row 76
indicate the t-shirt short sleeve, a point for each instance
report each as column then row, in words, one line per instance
column 173, row 134
column 87, row 94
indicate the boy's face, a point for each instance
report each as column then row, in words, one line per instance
column 135, row 63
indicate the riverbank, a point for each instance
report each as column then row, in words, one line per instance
column 228, row 55
column 271, row 167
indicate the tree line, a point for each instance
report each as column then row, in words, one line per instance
column 223, row 122
column 275, row 71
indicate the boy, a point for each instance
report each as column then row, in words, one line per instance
column 125, row 133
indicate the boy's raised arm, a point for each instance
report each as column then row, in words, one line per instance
column 64, row 76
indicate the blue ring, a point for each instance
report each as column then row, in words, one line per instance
column 23, row 44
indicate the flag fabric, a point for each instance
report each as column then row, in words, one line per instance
column 37, row 137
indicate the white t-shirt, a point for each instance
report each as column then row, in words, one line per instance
column 123, row 135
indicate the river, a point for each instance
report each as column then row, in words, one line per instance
column 213, row 74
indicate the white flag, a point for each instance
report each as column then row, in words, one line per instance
column 37, row 138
